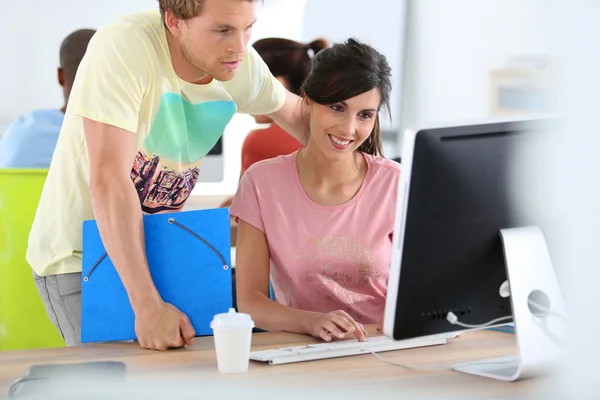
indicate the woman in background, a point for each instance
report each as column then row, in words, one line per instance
column 318, row 222
column 289, row 61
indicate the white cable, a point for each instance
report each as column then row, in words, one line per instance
column 406, row 366
column 453, row 319
column 547, row 310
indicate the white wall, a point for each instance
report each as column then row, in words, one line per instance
column 379, row 23
column 453, row 46
column 441, row 61
column 28, row 68
column 576, row 174
column 28, row 72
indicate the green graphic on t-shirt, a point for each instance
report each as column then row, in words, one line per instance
column 186, row 132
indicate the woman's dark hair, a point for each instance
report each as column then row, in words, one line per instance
column 289, row 59
column 347, row 70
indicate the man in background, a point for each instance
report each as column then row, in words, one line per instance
column 30, row 141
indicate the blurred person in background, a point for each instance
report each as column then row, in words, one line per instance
column 30, row 141
column 289, row 61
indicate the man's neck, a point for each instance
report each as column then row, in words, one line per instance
column 182, row 67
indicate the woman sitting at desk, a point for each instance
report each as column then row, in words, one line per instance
column 323, row 215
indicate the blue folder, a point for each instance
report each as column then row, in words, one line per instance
column 189, row 256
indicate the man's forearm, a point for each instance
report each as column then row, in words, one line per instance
column 119, row 217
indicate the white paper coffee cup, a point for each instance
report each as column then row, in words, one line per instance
column 233, row 337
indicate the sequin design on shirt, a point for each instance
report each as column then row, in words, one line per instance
column 166, row 170
column 338, row 269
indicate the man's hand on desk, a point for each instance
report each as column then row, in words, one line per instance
column 160, row 326
column 334, row 325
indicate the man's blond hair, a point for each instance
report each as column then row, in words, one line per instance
column 183, row 9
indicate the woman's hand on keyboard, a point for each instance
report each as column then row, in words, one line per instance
column 336, row 324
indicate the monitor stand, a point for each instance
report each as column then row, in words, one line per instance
column 539, row 333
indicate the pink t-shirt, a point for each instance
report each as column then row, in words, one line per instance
column 323, row 258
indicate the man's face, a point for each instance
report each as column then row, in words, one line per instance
column 215, row 41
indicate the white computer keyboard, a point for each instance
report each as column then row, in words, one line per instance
column 341, row 349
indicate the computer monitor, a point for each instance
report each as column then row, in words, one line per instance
column 213, row 165
column 457, row 192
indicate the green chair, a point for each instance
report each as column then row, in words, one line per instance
column 24, row 323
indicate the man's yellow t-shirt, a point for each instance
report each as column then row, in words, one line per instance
column 126, row 79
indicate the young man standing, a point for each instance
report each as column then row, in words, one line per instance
column 152, row 96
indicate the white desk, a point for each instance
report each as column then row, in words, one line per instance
column 191, row 373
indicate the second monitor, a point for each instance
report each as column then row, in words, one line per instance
column 213, row 165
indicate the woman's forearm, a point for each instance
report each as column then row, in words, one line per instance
column 272, row 316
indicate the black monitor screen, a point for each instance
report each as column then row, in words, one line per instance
column 217, row 149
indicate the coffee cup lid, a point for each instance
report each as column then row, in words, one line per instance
column 232, row 320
